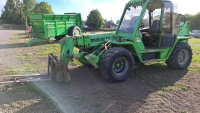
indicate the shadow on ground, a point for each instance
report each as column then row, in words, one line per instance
column 88, row 92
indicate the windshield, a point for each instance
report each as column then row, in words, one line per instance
column 130, row 19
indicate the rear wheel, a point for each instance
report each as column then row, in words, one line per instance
column 74, row 30
column 116, row 64
column 180, row 57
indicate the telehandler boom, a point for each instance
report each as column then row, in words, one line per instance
column 149, row 31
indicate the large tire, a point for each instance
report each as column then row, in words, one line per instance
column 180, row 57
column 74, row 30
column 116, row 64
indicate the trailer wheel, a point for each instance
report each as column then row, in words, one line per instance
column 59, row 37
column 74, row 30
column 180, row 57
column 116, row 64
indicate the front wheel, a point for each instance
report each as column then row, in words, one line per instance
column 180, row 57
column 116, row 64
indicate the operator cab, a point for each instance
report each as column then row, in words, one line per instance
column 159, row 24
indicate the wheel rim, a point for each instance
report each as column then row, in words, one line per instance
column 76, row 32
column 183, row 56
column 120, row 66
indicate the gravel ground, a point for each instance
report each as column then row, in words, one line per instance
column 5, row 52
column 7, row 62
column 4, row 59
column 19, row 97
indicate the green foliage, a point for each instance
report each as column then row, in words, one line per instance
column 105, row 20
column 95, row 20
column 195, row 24
column 43, row 7
column 117, row 22
column 30, row 4
column 15, row 11
column 11, row 12
column 194, row 20
column 110, row 22
column 188, row 17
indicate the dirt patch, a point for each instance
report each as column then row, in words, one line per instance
column 151, row 88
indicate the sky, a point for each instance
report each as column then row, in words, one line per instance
column 109, row 9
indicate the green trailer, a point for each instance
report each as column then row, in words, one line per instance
column 45, row 26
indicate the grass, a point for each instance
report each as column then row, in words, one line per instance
column 17, row 105
column 28, row 60
column 168, row 88
column 18, row 102
column 29, row 88
column 144, row 100
column 163, row 102
column 28, row 57
column 194, row 41
column 24, row 96
column 195, row 45
column 34, row 54
column 184, row 111
column 176, row 87
column 109, row 89
column 21, row 69
column 24, row 57
column 34, row 59
column 162, row 94
column 5, row 106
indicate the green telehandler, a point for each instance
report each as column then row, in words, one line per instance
column 148, row 31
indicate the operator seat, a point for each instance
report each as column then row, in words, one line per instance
column 154, row 29
column 153, row 34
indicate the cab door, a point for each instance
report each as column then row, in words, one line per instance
column 167, row 36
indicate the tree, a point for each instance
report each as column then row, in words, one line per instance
column 43, row 7
column 30, row 4
column 117, row 22
column 95, row 20
column 12, row 12
column 195, row 24
column 110, row 23
column 188, row 17
column 105, row 20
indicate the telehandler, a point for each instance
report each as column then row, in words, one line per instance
column 148, row 31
